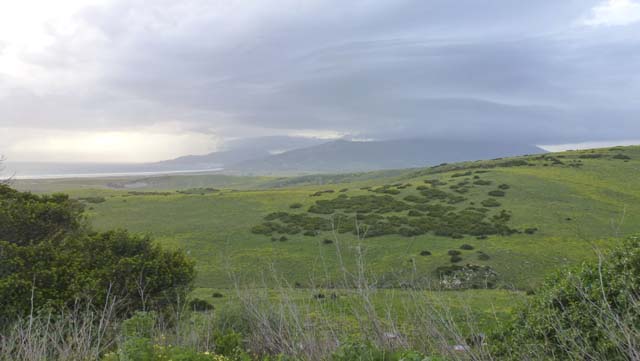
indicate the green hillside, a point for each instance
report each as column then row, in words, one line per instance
column 546, row 211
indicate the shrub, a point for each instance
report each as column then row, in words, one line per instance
column 587, row 311
column 483, row 256
column 453, row 252
column 327, row 241
column 497, row 193
column 295, row 205
column 217, row 295
column 200, row 305
column 591, row 156
column 319, row 193
column 425, row 253
column 283, row 239
column 530, row 230
column 228, row 344
column 458, row 175
column 455, row 259
column 491, row 202
column 466, row 247
column 93, row 199
column 621, row 156
column 309, row 233
column 504, row 186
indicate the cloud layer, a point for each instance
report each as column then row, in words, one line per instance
column 540, row 72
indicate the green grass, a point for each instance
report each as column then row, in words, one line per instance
column 571, row 207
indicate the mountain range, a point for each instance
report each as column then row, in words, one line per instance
column 268, row 155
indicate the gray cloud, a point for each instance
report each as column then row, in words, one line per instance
column 475, row 68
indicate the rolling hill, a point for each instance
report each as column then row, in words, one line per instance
column 524, row 217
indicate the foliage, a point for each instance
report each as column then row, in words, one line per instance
column 94, row 200
column 49, row 261
column 497, row 193
column 199, row 191
column 26, row 218
column 491, row 202
column 200, row 305
column 591, row 311
column 138, row 344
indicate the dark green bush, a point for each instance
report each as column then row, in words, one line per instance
column 94, row 200
column 586, row 311
column 483, row 256
column 453, row 252
column 530, row 230
column 48, row 256
column 621, row 156
column 200, row 305
column 504, row 186
column 295, row 205
column 455, row 259
column 491, row 202
column 327, row 241
column 482, row 182
column 217, row 295
column 497, row 193
column 425, row 253
column 466, row 247
column 591, row 156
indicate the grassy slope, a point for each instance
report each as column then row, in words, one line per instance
column 215, row 228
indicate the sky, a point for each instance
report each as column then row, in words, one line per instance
column 134, row 81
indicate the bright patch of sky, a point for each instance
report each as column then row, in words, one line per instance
column 614, row 13
column 588, row 145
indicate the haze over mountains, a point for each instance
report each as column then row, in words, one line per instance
column 291, row 155
column 272, row 155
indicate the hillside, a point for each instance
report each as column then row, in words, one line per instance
column 546, row 212
column 237, row 151
column 350, row 156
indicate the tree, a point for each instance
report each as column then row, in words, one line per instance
column 50, row 259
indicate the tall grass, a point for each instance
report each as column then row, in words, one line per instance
column 276, row 321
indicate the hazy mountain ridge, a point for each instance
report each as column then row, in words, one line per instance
column 343, row 155
column 295, row 155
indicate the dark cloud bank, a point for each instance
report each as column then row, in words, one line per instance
column 531, row 72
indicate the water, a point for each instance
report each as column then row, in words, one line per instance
column 34, row 170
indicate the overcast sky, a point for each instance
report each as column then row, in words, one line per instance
column 111, row 80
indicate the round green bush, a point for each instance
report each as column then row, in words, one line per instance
column 200, row 305
column 455, row 259
column 491, row 202
column 453, row 252
column 497, row 193
column 425, row 253
column 466, row 247
column 295, row 205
